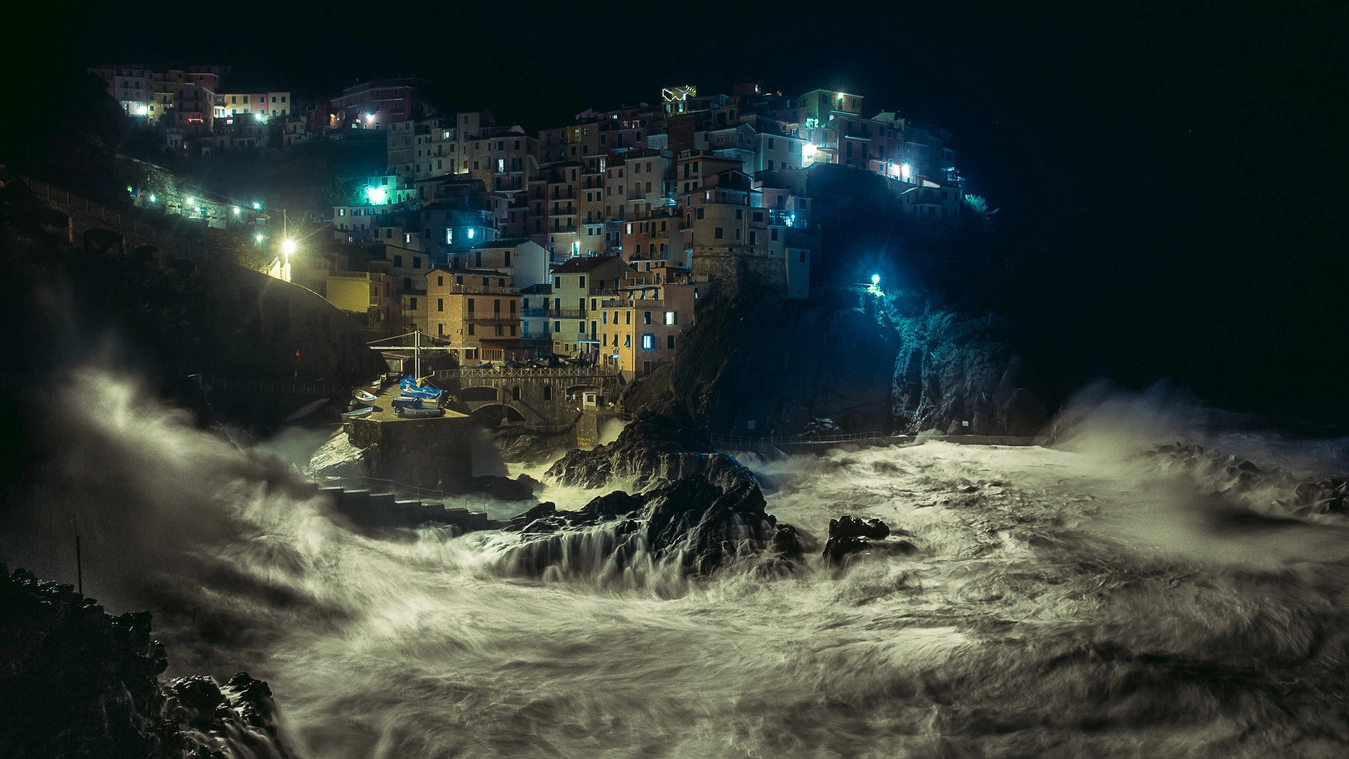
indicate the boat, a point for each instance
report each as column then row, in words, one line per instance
column 406, row 401
column 366, row 411
column 412, row 411
column 425, row 393
column 364, row 397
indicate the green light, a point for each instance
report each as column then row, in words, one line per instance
column 257, row 206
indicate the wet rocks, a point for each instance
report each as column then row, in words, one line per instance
column 652, row 450
column 691, row 522
column 849, row 536
column 75, row 681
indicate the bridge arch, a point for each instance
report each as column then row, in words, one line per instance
column 497, row 414
column 478, row 393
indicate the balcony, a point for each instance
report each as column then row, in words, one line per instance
column 492, row 318
column 537, row 312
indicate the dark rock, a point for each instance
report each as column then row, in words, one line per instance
column 852, row 527
column 850, row 536
column 692, row 521
column 75, row 681
column 652, row 450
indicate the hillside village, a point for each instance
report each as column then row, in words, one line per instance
column 591, row 241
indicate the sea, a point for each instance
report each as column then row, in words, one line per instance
column 1156, row 578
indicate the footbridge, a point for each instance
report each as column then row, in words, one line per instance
column 541, row 399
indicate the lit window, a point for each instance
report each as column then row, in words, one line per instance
column 671, row 318
column 648, row 342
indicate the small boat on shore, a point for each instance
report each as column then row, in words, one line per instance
column 407, row 401
column 362, row 396
column 355, row 413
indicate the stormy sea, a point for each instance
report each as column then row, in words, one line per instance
column 1158, row 579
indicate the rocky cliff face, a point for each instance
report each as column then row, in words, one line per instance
column 757, row 365
column 958, row 374
column 652, row 450
column 695, row 509
column 75, row 681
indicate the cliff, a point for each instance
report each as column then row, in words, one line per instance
column 756, row 364
column 75, row 681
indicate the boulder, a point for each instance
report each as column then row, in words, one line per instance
column 652, row 451
column 691, row 522
column 850, row 537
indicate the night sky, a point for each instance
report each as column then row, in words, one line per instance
column 1169, row 175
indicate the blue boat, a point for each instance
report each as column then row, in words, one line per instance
column 406, row 401
column 366, row 411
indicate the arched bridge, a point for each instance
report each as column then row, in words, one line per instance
column 541, row 399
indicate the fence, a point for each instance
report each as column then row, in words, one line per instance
column 746, row 443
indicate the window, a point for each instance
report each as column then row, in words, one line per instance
column 739, row 214
column 397, row 260
column 582, row 283
column 717, row 233
column 802, row 254
column 698, row 212
column 773, row 233
column 648, row 342
column 470, row 328
column 416, row 262
column 547, row 392
column 627, row 317
column 671, row 318
column 557, row 326
column 646, row 317
column 440, row 281
column 627, row 341
column 412, row 304
column 440, row 304
column 440, row 328
column 669, row 342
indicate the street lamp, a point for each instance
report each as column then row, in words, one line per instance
column 287, row 247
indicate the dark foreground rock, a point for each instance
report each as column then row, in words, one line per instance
column 75, row 681
column 850, row 536
column 690, row 523
column 652, row 450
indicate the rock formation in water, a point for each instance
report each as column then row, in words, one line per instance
column 75, row 681
column 651, row 450
column 691, row 522
column 695, row 507
column 851, row 536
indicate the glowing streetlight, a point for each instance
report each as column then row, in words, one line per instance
column 875, row 279
column 287, row 247
column 905, row 171
column 152, row 197
column 808, row 151
column 236, row 210
column 258, row 238
column 369, row 119
column 376, row 195
column 257, row 206
column 190, row 201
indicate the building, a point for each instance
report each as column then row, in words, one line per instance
column 375, row 105
column 578, row 286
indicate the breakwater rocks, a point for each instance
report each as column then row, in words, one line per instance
column 650, row 451
column 76, row 681
column 850, row 537
column 695, row 510
column 690, row 524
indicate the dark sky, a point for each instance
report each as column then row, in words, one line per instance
column 1169, row 174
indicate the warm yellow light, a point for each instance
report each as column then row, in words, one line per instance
column 288, row 247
